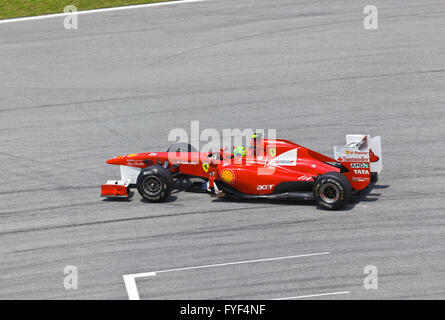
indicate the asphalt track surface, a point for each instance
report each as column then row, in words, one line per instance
column 71, row 99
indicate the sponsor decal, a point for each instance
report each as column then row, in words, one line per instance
column 346, row 154
column 265, row 187
column 285, row 161
column 153, row 154
column 304, row 178
column 205, row 167
column 360, row 179
column 132, row 155
column 373, row 157
column 288, row 158
column 359, row 165
column 227, row 175
column 134, row 162
column 273, row 152
column 186, row 162
column 361, row 171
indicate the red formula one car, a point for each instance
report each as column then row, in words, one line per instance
column 273, row 169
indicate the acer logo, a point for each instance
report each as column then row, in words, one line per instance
column 361, row 172
column 265, row 187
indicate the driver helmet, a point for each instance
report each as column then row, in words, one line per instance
column 239, row 151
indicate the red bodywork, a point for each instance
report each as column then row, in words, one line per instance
column 114, row 190
column 271, row 166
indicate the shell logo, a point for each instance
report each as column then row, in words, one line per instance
column 227, row 176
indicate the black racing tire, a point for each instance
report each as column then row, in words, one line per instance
column 155, row 183
column 374, row 177
column 181, row 147
column 332, row 190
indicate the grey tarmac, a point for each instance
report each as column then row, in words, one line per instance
column 71, row 99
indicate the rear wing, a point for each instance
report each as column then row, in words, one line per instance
column 361, row 148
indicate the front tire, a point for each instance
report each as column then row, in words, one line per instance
column 332, row 190
column 155, row 183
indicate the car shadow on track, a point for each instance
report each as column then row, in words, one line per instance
column 180, row 185
column 168, row 200
column 123, row 199
column 368, row 194
column 268, row 201
column 171, row 198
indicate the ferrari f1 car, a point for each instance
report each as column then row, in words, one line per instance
column 272, row 169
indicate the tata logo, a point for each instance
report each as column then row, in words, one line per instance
column 359, row 165
column 365, row 172
column 265, row 187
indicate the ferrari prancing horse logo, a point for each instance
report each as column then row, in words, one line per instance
column 205, row 167
column 273, row 152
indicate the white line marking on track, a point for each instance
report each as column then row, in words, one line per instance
column 243, row 262
column 130, row 279
column 137, row 6
column 314, row 295
column 130, row 284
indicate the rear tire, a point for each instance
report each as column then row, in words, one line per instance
column 332, row 190
column 155, row 183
